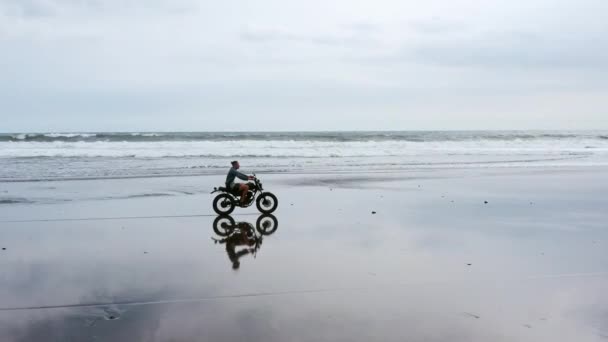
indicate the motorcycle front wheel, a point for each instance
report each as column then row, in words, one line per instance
column 267, row 203
column 223, row 204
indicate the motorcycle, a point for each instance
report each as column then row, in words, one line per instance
column 228, row 199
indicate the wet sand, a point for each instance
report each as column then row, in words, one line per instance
column 134, row 259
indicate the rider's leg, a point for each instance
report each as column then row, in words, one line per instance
column 244, row 189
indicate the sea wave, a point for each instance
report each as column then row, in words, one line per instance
column 42, row 156
column 408, row 136
column 295, row 149
column 15, row 201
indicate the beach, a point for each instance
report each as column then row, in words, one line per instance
column 442, row 254
column 440, row 170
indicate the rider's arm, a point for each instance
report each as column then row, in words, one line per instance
column 241, row 176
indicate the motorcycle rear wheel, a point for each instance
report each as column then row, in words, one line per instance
column 223, row 204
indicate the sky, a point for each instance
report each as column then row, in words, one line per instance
column 264, row 65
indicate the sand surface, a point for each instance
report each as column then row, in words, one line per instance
column 459, row 255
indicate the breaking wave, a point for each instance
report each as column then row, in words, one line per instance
column 38, row 156
column 411, row 136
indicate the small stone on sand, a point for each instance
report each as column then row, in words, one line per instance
column 472, row 315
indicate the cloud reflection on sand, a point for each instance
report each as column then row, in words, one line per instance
column 434, row 263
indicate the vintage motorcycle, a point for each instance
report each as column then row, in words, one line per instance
column 227, row 200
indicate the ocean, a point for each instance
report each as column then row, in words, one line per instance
column 61, row 156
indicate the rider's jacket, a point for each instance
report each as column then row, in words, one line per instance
column 232, row 174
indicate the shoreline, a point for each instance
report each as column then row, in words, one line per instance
column 221, row 172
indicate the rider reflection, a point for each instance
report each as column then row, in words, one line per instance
column 241, row 238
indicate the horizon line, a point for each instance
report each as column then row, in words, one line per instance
column 308, row 131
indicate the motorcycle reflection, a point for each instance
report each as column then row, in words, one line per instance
column 241, row 238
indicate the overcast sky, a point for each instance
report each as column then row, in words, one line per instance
column 146, row 65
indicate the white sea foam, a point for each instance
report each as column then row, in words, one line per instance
column 67, row 135
column 304, row 149
column 113, row 154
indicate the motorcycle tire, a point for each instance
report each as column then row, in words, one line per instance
column 223, row 204
column 267, row 203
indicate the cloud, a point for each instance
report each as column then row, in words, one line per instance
column 357, row 33
column 275, row 34
column 40, row 9
column 28, row 8
column 363, row 27
column 437, row 26
column 516, row 49
column 187, row 57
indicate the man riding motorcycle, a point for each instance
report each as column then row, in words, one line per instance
column 237, row 187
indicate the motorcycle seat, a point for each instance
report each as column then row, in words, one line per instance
column 230, row 191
